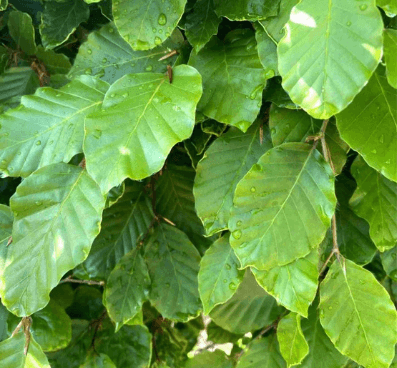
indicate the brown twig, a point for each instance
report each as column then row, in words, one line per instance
column 87, row 282
column 82, row 164
column 25, row 323
column 170, row 54
column 170, row 73
column 98, row 324
column 9, row 241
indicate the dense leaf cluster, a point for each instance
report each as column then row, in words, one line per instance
column 166, row 160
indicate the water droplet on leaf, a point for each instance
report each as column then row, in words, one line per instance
column 236, row 234
column 162, row 19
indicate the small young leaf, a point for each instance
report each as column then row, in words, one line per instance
column 50, row 206
column 293, row 345
column 219, row 276
column 358, row 315
column 282, row 187
column 127, row 288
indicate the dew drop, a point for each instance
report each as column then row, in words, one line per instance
column 270, row 74
column 149, row 68
column 125, row 95
column 273, row 131
column 330, row 308
column 111, row 30
column 157, row 40
column 224, row 281
column 253, row 189
column 374, row 151
column 363, row 6
column 239, row 223
column 349, row 23
column 104, row 60
column 112, row 95
column 167, row 284
column 232, row 286
column 227, row 266
column 162, row 19
column 89, row 51
column 38, row 143
column 236, row 234
column 38, row 203
column 97, row 133
column 256, row 167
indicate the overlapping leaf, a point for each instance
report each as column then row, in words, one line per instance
column 293, row 345
column 224, row 164
column 317, row 31
column 249, row 309
column 389, row 262
column 144, row 116
column 53, row 126
column 282, row 207
column 51, row 327
column 127, row 288
column 369, row 125
column 57, row 216
column 389, row 6
column 219, row 276
column 173, row 264
column 21, row 30
column 390, row 50
column 54, row 63
column 375, row 200
column 6, row 220
column 12, row 353
column 262, row 353
column 202, row 23
column 247, row 9
column 267, row 51
column 175, row 201
column 358, row 315
column 233, row 79
column 60, row 19
column 146, row 24
column 288, row 125
column 216, row 359
column 123, row 224
column 108, row 56
column 294, row 285
column 98, row 361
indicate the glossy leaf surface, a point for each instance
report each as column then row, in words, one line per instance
column 348, row 295
column 144, row 116
column 320, row 83
column 233, row 79
column 390, row 50
column 224, row 164
column 41, row 205
column 289, row 182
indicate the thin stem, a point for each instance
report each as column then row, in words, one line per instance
column 88, row 282
column 97, row 323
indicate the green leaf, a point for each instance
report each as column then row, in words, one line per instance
column 389, row 262
column 247, row 9
column 49, row 206
column 3, row 322
column 21, row 30
column 123, row 140
column 54, row 63
column 201, row 24
column 108, row 56
column 12, row 353
column 51, row 327
column 375, row 200
column 389, row 6
column 3, row 4
column 314, row 77
column 6, row 220
column 348, row 296
column 60, row 20
column 146, row 24
column 16, row 82
column 275, row 93
column 4, row 59
column 219, row 276
column 289, row 182
column 56, row 126
column 123, row 225
column 294, row 285
column 369, row 125
column 127, row 288
column 130, row 347
column 293, row 345
column 390, row 50
column 173, row 264
column 233, row 79
column 322, row 353
column 87, row 303
column 262, row 353
column 218, row 335
column 224, row 164
column 175, row 201
column 115, row 194
column 267, row 51
column 98, row 361
column 296, row 125
column 354, row 241
column 63, row 294
column 249, row 309
column 216, row 359
column 274, row 26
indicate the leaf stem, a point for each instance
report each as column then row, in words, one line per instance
column 88, row 282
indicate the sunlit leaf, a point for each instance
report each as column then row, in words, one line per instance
column 57, row 216
column 53, row 123
column 247, row 9
column 224, row 164
column 349, row 295
column 216, row 359
column 133, row 134
column 369, row 125
column 267, row 51
column 314, row 77
column 233, row 79
column 282, row 207
column 390, row 50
